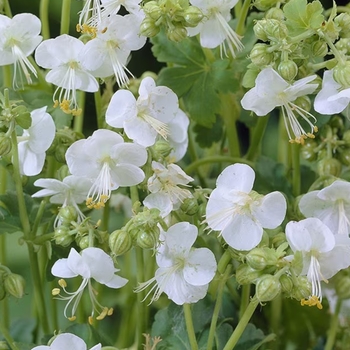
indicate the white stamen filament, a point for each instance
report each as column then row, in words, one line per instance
column 23, row 63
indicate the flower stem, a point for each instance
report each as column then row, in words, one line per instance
column 7, row 76
column 244, row 300
column 65, row 17
column 141, row 309
column 332, row 333
column 216, row 159
column 217, row 307
column 240, row 29
column 275, row 320
column 7, row 8
column 98, row 108
column 34, row 266
column 296, row 169
column 78, row 120
column 242, row 324
column 257, row 137
column 44, row 17
column 8, row 338
column 189, row 325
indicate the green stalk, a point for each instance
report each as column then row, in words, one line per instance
column 240, row 29
column 34, row 266
column 217, row 307
column 258, row 134
column 332, row 333
column 296, row 169
column 242, row 324
column 7, row 75
column 275, row 319
column 244, row 300
column 189, row 326
column 65, row 17
column 98, row 108
column 78, row 120
column 7, row 8
column 8, row 338
column 222, row 265
column 44, row 17
column 230, row 112
column 216, row 159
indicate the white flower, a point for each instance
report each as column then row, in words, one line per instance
column 239, row 213
column 324, row 254
column 108, row 162
column 214, row 30
column 166, row 195
column 331, row 205
column 184, row 272
column 67, row 341
column 108, row 53
column 89, row 17
column 272, row 91
column 19, row 36
column 63, row 55
column 332, row 98
column 91, row 263
column 69, row 192
column 35, row 141
column 148, row 116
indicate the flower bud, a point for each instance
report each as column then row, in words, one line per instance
column 330, row 166
column 275, row 13
column 303, row 288
column 60, row 153
column 267, row 288
column 5, row 144
column 304, row 102
column 62, row 172
column 177, row 34
column 146, row 240
column 343, row 21
column 344, row 155
column 346, row 137
column 83, row 242
column 256, row 259
column 278, row 239
column 319, row 48
column 2, row 287
column 62, row 236
column 341, row 74
column 161, row 149
column 263, row 5
column 192, row 16
column 148, row 28
column 259, row 30
column 14, row 285
column 67, row 214
column 3, row 345
column 152, row 9
column 342, row 287
column 288, row 70
column 260, row 56
column 286, row 283
column 307, row 150
column 189, row 206
column 246, row 274
column 120, row 242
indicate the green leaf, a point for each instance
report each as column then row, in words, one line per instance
column 22, row 330
column 301, row 16
column 24, row 120
column 205, row 137
column 250, row 337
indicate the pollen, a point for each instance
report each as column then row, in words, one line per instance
column 73, row 318
column 92, row 204
column 86, row 29
column 55, row 291
column 62, row 283
column 312, row 301
column 103, row 314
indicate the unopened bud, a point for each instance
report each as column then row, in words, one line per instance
column 267, row 288
column 161, row 149
column 263, row 5
column 5, row 145
column 330, row 166
column 288, row 70
column 307, row 150
column 14, row 285
column 286, row 283
column 246, row 274
column 192, row 16
column 148, row 28
column 189, row 206
column 62, row 236
column 260, row 55
column 259, row 258
column 152, row 9
column 303, row 288
column 275, row 13
column 3, row 345
column 67, row 214
column 120, row 242
column 177, row 34
column 341, row 74
column 319, row 49
column 343, row 21
column 303, row 102
column 146, row 240
column 83, row 242
column 344, row 155
column 342, row 286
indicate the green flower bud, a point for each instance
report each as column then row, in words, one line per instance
column 343, row 21
column 344, row 155
column 148, row 28
column 259, row 258
column 346, row 137
column 337, row 123
column 267, row 288
column 60, row 153
column 120, row 242
column 330, row 166
column 304, row 102
column 67, row 214
column 14, row 285
column 288, row 70
column 343, row 45
column 5, row 145
column 62, row 172
column 161, row 149
column 83, row 242
column 260, row 56
column 302, row 290
column 193, row 16
column 264, row 5
column 286, row 283
column 146, row 240
column 307, row 150
column 2, row 287
column 341, row 74
column 246, row 274
column 319, row 48
column 342, row 287
column 278, row 239
column 177, row 34
column 152, row 10
column 190, row 206
column 3, row 345
column 275, row 13
column 62, row 236
column 259, row 30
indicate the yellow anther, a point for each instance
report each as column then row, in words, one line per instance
column 86, row 29
column 76, row 112
column 55, row 291
column 312, row 301
column 64, row 105
column 91, row 320
column 110, row 312
column 73, row 318
column 103, row 314
column 62, row 283
column 55, row 104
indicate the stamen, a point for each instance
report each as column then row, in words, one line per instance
column 161, row 128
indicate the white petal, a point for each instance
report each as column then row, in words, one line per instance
column 77, row 264
column 160, row 201
column 200, row 267
column 61, row 269
column 335, row 260
column 68, row 341
column 242, row 233
column 126, row 175
column 129, row 153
